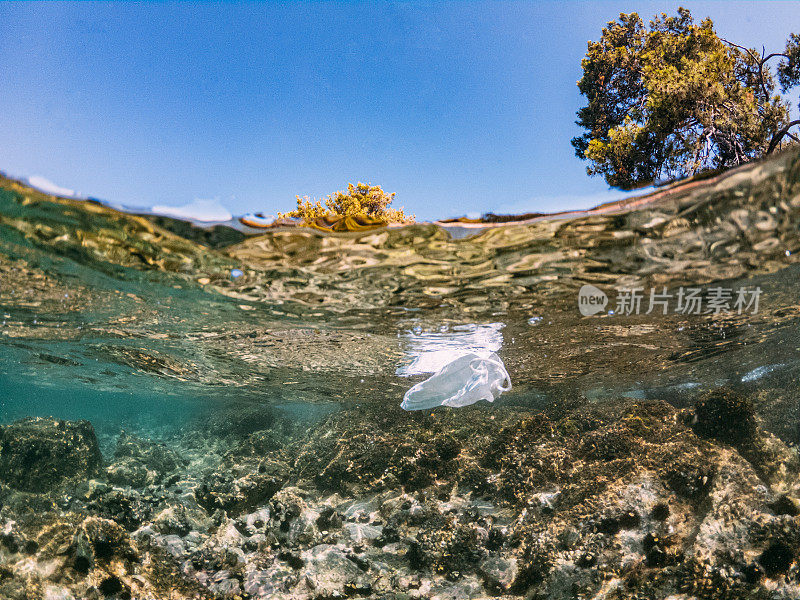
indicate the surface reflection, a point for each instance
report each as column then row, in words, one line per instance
column 427, row 351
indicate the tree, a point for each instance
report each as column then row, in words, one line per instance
column 674, row 99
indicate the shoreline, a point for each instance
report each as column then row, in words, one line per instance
column 249, row 225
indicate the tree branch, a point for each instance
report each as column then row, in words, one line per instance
column 780, row 134
column 759, row 61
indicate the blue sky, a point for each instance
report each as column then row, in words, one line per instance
column 458, row 107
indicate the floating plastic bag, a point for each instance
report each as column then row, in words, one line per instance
column 464, row 381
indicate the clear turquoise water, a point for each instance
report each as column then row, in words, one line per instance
column 107, row 319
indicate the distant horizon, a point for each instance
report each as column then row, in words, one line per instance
column 459, row 108
column 211, row 212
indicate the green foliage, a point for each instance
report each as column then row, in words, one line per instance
column 361, row 200
column 673, row 99
column 789, row 70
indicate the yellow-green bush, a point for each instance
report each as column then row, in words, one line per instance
column 360, row 200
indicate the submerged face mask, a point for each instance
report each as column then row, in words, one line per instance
column 462, row 382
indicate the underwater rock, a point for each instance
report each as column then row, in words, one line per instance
column 363, row 532
column 38, row 454
column 259, row 443
column 595, row 488
column 447, row 546
column 225, row 587
column 130, row 472
column 241, row 419
column 728, row 416
column 244, row 487
column 180, row 519
column 377, row 450
column 127, row 507
column 573, row 501
column 154, row 456
column 499, row 572
column 139, row 463
column 330, row 573
column 262, row 584
column 292, row 521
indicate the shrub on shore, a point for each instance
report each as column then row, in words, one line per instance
column 361, row 200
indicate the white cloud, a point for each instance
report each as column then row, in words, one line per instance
column 198, row 210
column 48, row 187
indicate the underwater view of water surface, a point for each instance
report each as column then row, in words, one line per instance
column 599, row 405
